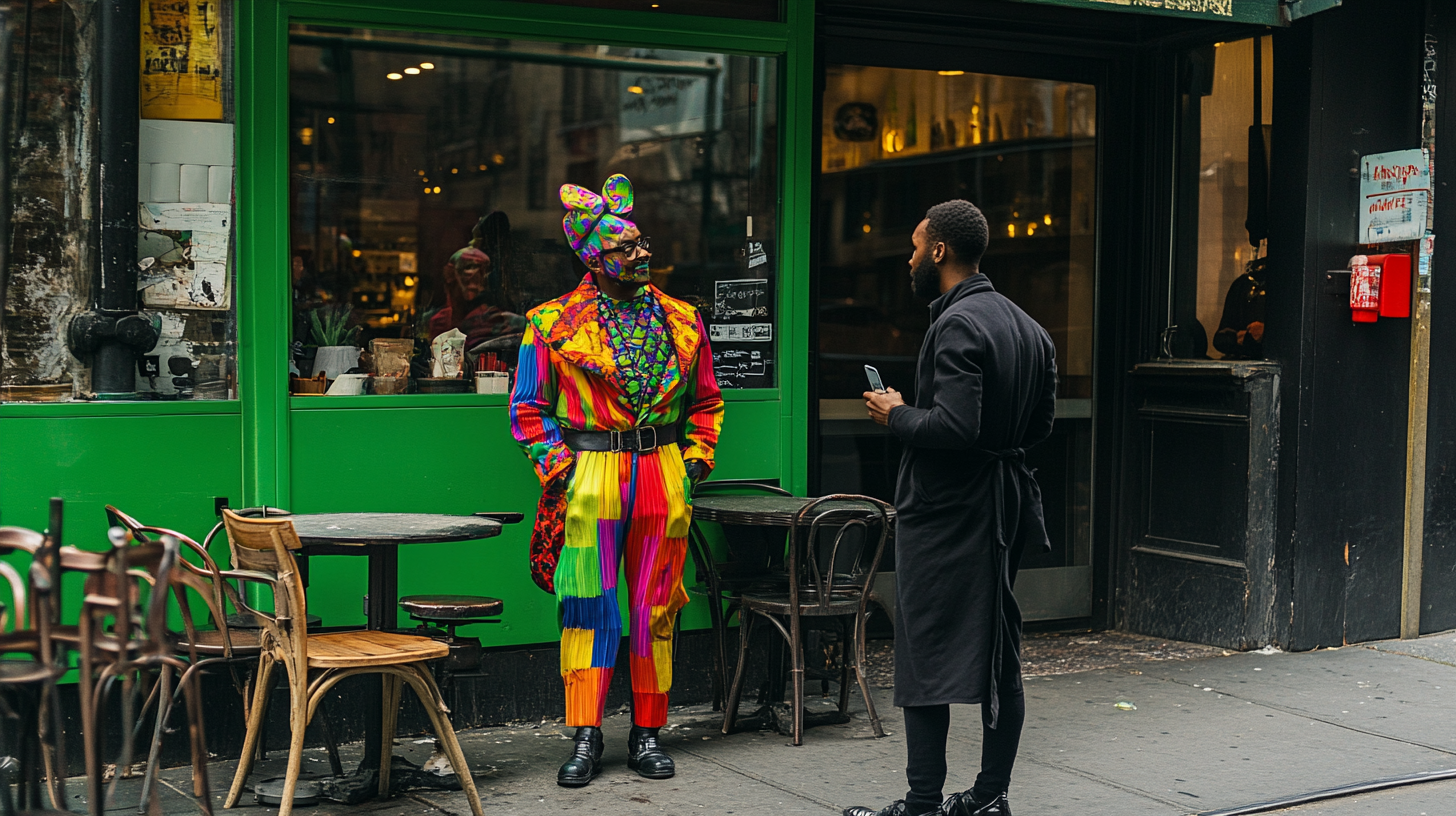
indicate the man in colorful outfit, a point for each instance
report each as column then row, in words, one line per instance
column 616, row 405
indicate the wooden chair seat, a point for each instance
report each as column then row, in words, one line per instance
column 20, row 672
column 451, row 607
column 245, row 642
column 344, row 650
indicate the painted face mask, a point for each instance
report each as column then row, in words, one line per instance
column 592, row 219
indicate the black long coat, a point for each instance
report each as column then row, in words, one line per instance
column 967, row 504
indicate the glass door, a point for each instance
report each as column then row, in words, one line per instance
column 896, row 141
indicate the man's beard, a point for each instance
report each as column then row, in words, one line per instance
column 925, row 280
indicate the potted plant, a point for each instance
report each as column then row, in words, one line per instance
column 333, row 330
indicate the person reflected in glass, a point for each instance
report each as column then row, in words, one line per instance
column 474, row 290
column 1240, row 334
column 617, row 406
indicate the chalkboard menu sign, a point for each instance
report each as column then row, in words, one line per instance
column 741, row 323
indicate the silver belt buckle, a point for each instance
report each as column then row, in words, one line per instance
column 616, row 439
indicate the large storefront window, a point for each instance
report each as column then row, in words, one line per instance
column 896, row 142
column 1216, row 308
column 424, row 194
column 73, row 329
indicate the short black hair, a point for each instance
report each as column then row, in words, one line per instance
column 959, row 225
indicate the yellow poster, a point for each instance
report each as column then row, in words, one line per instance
column 181, row 60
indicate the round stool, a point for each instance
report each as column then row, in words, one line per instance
column 440, row 614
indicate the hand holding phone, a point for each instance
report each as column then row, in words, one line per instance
column 876, row 384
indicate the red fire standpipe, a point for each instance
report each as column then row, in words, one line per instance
column 112, row 332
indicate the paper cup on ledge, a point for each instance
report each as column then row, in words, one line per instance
column 346, row 385
column 491, row 382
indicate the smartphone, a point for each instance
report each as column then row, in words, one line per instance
column 876, row 384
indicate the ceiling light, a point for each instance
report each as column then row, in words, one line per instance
column 427, row 191
column 636, row 89
column 498, row 159
column 454, row 170
column 428, row 66
column 1047, row 219
column 357, row 253
column 411, row 71
column 331, row 120
column 950, row 73
column 482, row 167
column 437, row 190
column 393, row 75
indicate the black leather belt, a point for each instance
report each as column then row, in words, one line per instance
column 636, row 440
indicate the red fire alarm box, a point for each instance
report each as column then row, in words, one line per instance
column 1380, row 286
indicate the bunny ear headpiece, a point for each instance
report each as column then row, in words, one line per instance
column 590, row 217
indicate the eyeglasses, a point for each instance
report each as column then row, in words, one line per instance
column 630, row 247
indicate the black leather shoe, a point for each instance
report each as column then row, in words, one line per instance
column 586, row 759
column 896, row 808
column 968, row 803
column 646, row 757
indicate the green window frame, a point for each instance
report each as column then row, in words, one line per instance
column 263, row 228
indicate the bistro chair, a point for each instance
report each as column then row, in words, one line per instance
column 28, row 676
column 832, row 583
column 235, row 641
column 724, row 580
column 263, row 550
column 121, row 636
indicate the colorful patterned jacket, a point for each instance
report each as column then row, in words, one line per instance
column 567, row 379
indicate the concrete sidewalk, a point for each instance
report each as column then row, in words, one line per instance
column 1206, row 734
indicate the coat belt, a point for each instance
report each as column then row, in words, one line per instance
column 1009, row 463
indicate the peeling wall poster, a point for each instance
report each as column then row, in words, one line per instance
column 182, row 250
column 181, row 60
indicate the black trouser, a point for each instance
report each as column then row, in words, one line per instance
column 926, row 728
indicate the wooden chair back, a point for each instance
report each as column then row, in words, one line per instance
column 204, row 578
column 13, row 540
column 262, row 552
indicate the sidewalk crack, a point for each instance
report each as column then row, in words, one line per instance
column 761, row 779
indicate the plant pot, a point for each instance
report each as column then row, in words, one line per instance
column 335, row 360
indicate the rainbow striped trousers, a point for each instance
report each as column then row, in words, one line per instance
column 622, row 509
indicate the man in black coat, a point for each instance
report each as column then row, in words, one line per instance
column 967, row 507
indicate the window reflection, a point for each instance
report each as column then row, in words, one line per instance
column 1024, row 150
column 425, row 178
column 1222, row 209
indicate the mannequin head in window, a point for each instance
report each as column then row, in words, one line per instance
column 468, row 271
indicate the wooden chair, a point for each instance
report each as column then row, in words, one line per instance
column 225, row 645
column 263, row 550
column 122, row 638
column 28, row 678
column 825, row 585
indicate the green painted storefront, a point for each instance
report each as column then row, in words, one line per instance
column 168, row 462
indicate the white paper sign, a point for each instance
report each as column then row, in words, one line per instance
column 1394, row 190
column 741, row 332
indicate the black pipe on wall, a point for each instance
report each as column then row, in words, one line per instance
column 117, row 333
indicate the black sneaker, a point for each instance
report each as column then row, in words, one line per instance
column 967, row 803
